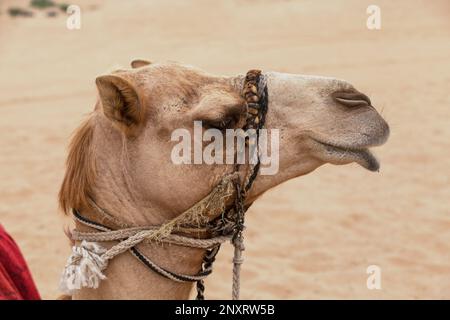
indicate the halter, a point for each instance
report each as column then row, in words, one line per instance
column 213, row 216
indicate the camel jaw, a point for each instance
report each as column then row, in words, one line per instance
column 338, row 155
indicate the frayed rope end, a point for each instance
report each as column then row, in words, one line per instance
column 84, row 268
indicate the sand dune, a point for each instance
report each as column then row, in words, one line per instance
column 312, row 237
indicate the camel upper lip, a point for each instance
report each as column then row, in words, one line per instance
column 361, row 155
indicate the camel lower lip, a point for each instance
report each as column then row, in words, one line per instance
column 362, row 156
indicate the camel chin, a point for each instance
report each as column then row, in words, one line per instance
column 368, row 160
column 364, row 157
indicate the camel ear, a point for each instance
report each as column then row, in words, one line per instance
column 139, row 63
column 120, row 101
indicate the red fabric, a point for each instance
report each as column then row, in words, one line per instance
column 16, row 282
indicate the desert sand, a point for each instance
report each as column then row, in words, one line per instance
column 310, row 238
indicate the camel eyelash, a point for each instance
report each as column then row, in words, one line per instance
column 224, row 123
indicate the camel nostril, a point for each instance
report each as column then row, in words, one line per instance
column 351, row 99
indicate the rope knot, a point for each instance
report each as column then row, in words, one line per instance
column 84, row 267
column 238, row 241
column 238, row 260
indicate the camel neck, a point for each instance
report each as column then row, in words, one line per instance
column 114, row 193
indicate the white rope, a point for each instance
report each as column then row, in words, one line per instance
column 83, row 268
column 85, row 265
column 171, row 238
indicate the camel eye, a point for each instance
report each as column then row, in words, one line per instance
column 221, row 117
column 221, row 124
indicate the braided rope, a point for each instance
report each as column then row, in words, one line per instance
column 208, row 260
column 177, row 277
column 255, row 90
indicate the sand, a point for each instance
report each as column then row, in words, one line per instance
column 312, row 237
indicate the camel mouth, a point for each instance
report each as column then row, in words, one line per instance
column 343, row 155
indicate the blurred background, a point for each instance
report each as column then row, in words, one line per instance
column 312, row 237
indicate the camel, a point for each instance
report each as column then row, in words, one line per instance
column 121, row 155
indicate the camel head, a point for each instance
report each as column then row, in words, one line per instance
column 319, row 120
